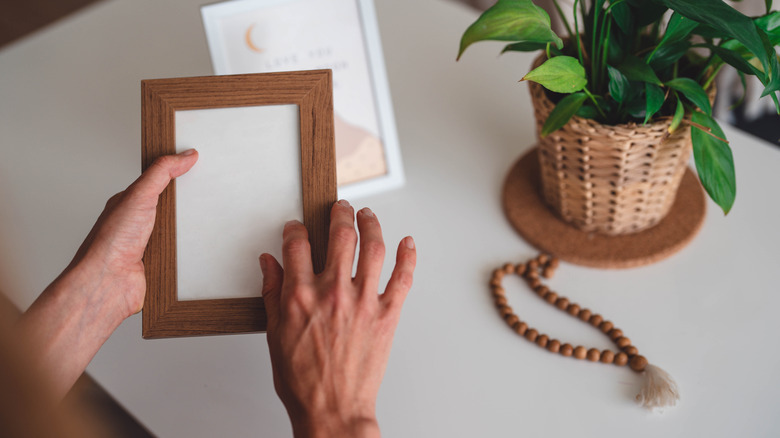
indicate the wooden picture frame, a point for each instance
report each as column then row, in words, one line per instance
column 164, row 315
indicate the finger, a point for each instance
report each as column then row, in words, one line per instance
column 372, row 250
column 403, row 274
column 147, row 188
column 296, row 252
column 272, row 288
column 342, row 240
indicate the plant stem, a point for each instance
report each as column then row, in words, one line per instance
column 596, row 104
column 595, row 53
column 563, row 17
column 577, row 36
column 711, row 77
column 605, row 46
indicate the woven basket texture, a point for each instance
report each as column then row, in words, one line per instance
column 609, row 179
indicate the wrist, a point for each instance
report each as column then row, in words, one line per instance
column 332, row 425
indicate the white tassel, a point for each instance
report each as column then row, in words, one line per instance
column 658, row 389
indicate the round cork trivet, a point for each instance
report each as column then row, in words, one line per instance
column 537, row 224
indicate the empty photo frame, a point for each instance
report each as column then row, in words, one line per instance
column 266, row 146
column 257, row 36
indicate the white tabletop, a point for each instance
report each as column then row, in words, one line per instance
column 70, row 138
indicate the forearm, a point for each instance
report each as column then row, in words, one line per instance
column 64, row 328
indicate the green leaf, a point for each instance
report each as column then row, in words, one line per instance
column 587, row 111
column 636, row 70
column 693, row 92
column 524, row 47
column 618, row 84
column 511, row 20
column 561, row 74
column 730, row 22
column 668, row 54
column 679, row 112
column 562, row 112
column 769, row 23
column 677, row 30
column 774, row 82
column 655, row 99
column 714, row 161
column 621, row 12
column 734, row 59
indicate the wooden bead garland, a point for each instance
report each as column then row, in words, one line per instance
column 659, row 389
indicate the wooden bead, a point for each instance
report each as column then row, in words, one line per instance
column 520, row 269
column 580, row 352
column 531, row 335
column 567, row 350
column 596, row 319
column 621, row 359
column 498, row 273
column 562, row 303
column 495, row 282
column 554, row 346
column 585, row 315
column 508, row 268
column 542, row 290
column 533, row 265
column 543, row 259
column 607, row 356
column 501, row 301
column 615, row 333
column 573, row 309
column 594, row 355
column 506, row 311
column 631, row 350
column 553, row 263
column 542, row 341
column 548, row 272
column 638, row 363
column 498, row 291
column 520, row 328
column 512, row 319
column 534, row 283
column 551, row 297
column 606, row 326
column 623, row 342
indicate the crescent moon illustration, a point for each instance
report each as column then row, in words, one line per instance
column 249, row 43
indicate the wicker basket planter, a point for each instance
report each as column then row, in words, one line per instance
column 611, row 180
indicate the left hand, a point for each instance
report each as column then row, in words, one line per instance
column 117, row 242
column 103, row 285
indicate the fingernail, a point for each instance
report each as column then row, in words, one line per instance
column 263, row 264
column 367, row 211
column 187, row 153
column 409, row 242
column 291, row 223
column 344, row 203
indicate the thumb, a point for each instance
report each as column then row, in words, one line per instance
column 272, row 288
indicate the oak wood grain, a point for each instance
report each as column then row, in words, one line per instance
column 163, row 314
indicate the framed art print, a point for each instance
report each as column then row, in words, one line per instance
column 251, row 36
column 266, row 156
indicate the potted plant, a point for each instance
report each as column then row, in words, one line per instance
column 614, row 99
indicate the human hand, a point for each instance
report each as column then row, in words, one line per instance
column 103, row 285
column 330, row 335
column 115, row 245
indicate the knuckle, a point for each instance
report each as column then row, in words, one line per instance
column 296, row 246
column 344, row 234
column 405, row 280
column 164, row 163
column 373, row 249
